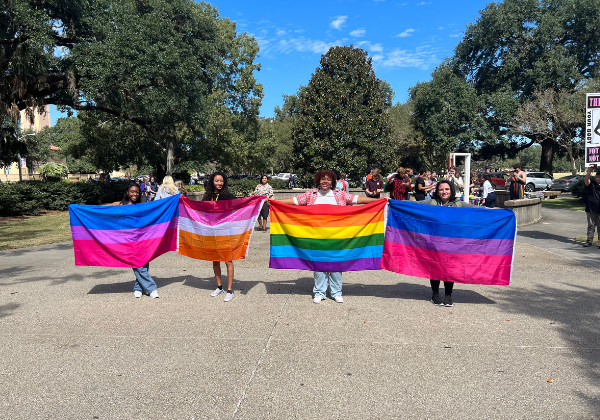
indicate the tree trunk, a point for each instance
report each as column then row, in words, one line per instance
column 546, row 159
column 170, row 156
column 573, row 166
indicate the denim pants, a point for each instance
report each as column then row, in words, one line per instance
column 143, row 281
column 335, row 284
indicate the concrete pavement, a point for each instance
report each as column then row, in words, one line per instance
column 77, row 345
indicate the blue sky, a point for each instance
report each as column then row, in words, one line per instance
column 405, row 39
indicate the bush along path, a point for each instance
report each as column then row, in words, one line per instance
column 30, row 198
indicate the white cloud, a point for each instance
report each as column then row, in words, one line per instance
column 454, row 35
column 422, row 57
column 378, row 57
column 269, row 47
column 371, row 47
column 281, row 32
column 299, row 31
column 423, row 3
column 406, row 33
column 339, row 22
column 358, row 32
column 441, row 28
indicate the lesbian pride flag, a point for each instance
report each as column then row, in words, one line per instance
column 217, row 230
column 464, row 245
column 327, row 238
column 124, row 236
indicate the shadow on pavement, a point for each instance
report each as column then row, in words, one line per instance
column 7, row 273
column 574, row 312
column 304, row 286
column 8, row 309
column 62, row 246
column 546, row 236
column 55, row 280
column 127, row 286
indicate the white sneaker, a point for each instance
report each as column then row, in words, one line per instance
column 217, row 292
column 318, row 299
column 154, row 294
column 339, row 299
column 137, row 294
column 228, row 297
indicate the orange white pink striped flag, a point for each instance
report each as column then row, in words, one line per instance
column 217, row 230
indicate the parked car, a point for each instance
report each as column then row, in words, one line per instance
column 498, row 178
column 538, row 181
column 284, row 176
column 565, row 183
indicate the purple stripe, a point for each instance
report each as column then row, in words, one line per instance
column 326, row 266
column 449, row 245
column 212, row 219
column 80, row 233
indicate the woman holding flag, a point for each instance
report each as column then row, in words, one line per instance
column 144, row 283
column 216, row 189
column 445, row 195
column 324, row 194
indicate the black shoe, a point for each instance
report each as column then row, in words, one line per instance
column 436, row 300
column 587, row 244
column 448, row 301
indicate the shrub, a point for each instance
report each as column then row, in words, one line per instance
column 53, row 171
column 278, row 184
column 578, row 189
column 31, row 197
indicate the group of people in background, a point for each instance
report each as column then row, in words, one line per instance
column 150, row 190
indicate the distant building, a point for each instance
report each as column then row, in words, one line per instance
column 29, row 169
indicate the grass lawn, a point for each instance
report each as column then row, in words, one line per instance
column 564, row 203
column 34, row 231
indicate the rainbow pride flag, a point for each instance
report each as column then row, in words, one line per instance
column 327, row 238
column 217, row 230
column 124, row 236
column 463, row 245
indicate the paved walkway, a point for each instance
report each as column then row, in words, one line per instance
column 77, row 345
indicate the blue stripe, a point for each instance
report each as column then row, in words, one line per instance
column 452, row 222
column 125, row 217
column 288, row 251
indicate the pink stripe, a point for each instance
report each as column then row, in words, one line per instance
column 132, row 254
column 81, row 233
column 460, row 268
column 211, row 219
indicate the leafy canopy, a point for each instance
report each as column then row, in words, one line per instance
column 342, row 122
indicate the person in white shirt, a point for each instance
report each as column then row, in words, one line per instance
column 488, row 193
column 325, row 194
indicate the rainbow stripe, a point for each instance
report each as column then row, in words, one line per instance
column 464, row 245
column 217, row 230
column 123, row 236
column 327, row 238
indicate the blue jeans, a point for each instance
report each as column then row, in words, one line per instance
column 143, row 281
column 335, row 284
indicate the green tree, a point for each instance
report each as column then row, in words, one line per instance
column 151, row 63
column 234, row 124
column 446, row 114
column 343, row 122
column 518, row 47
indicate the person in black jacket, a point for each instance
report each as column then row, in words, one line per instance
column 215, row 190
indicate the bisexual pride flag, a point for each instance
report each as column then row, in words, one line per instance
column 326, row 237
column 464, row 245
column 124, row 236
column 217, row 230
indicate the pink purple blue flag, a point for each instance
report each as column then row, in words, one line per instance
column 463, row 245
column 124, row 236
